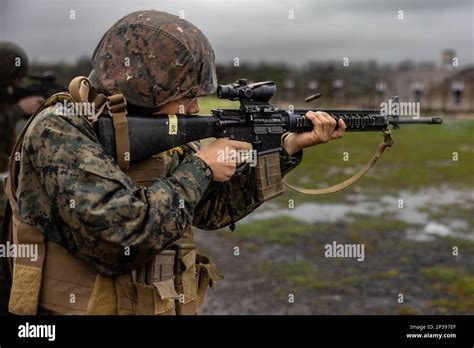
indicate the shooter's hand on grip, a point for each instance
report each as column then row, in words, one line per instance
column 221, row 156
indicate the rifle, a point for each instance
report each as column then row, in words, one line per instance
column 45, row 86
column 256, row 121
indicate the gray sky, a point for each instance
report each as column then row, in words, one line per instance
column 258, row 30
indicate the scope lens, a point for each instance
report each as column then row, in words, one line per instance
column 222, row 91
column 227, row 92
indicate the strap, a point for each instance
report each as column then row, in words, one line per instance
column 117, row 106
column 387, row 142
column 81, row 90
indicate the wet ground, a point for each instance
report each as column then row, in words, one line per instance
column 419, row 257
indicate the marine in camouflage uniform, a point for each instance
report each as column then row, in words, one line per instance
column 10, row 114
column 73, row 193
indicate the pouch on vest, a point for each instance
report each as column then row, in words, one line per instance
column 207, row 275
column 185, row 282
column 155, row 297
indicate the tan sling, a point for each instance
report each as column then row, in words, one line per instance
column 116, row 105
column 387, row 142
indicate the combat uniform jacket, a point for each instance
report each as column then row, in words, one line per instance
column 113, row 242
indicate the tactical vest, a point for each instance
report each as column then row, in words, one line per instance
column 173, row 282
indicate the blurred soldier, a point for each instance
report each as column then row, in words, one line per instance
column 115, row 237
column 13, row 68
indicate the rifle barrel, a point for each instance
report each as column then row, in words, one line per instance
column 416, row 120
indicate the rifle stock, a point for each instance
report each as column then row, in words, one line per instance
column 150, row 135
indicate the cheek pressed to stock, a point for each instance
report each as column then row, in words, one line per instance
column 182, row 106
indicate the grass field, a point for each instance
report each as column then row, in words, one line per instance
column 421, row 156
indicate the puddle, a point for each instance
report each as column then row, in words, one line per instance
column 434, row 229
column 386, row 205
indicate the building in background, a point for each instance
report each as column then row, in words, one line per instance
column 455, row 93
column 444, row 88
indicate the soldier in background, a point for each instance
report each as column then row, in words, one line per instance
column 13, row 68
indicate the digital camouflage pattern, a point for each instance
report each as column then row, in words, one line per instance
column 153, row 58
column 13, row 62
column 73, row 191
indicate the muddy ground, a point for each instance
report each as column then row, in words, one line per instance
column 415, row 263
column 413, row 212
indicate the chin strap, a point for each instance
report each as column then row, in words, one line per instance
column 116, row 105
column 387, row 142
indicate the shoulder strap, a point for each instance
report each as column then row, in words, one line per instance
column 81, row 90
column 387, row 142
column 117, row 106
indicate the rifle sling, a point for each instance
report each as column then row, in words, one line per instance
column 117, row 106
column 82, row 91
column 387, row 142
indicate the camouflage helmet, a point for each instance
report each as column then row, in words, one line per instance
column 153, row 58
column 13, row 62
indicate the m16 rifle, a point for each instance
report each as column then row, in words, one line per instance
column 43, row 85
column 256, row 121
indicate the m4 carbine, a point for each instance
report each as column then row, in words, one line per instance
column 256, row 121
column 44, row 85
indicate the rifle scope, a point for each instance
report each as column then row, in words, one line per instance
column 241, row 90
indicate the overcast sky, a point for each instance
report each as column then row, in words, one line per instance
column 258, row 30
